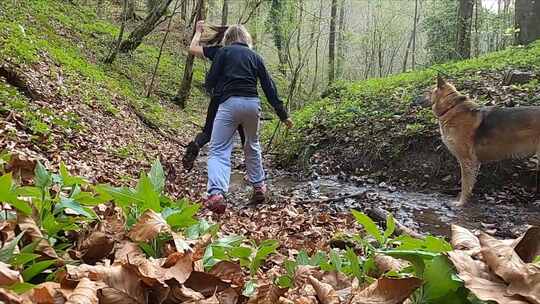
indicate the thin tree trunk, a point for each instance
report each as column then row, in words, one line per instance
column 276, row 15
column 316, row 72
column 183, row 11
column 99, row 7
column 463, row 47
column 340, row 40
column 407, row 50
column 112, row 56
column 332, row 43
column 414, row 34
column 151, row 87
column 146, row 27
column 225, row 12
column 185, row 87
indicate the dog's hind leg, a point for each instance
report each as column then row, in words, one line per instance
column 469, row 172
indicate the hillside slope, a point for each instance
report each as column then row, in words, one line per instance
column 59, row 102
column 381, row 127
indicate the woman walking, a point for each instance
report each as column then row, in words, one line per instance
column 233, row 77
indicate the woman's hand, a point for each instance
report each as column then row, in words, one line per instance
column 199, row 27
column 289, row 123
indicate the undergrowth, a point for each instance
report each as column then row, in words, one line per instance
column 382, row 111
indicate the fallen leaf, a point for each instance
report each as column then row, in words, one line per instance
column 325, row 293
column 95, row 247
column 463, row 239
column 205, row 283
column 228, row 296
column 528, row 246
column 9, row 297
column 387, row 263
column 32, row 231
column 9, row 276
column 267, row 294
column 228, row 272
column 149, row 225
column 387, row 291
column 84, row 293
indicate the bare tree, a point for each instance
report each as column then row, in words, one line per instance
column 116, row 49
column 225, row 12
column 136, row 37
column 463, row 47
column 527, row 20
column 332, row 43
column 185, row 87
column 276, row 13
column 340, row 39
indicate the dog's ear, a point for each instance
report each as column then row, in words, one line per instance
column 440, row 81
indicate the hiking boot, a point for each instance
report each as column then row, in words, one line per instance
column 192, row 151
column 216, row 203
column 259, row 194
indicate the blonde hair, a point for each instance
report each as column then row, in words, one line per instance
column 237, row 33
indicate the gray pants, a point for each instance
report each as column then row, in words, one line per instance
column 235, row 111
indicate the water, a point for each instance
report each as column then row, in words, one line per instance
column 426, row 212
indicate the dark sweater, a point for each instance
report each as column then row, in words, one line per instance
column 235, row 71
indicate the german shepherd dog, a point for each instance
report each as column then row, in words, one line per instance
column 476, row 134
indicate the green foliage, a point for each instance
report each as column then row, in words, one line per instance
column 440, row 27
column 382, row 109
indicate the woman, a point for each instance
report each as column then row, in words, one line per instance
column 233, row 77
column 202, row 138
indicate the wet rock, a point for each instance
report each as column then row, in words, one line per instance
column 518, row 77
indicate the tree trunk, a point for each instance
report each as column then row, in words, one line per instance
column 277, row 33
column 136, row 37
column 340, row 40
column 131, row 10
column 183, row 11
column 225, row 12
column 463, row 47
column 414, row 34
column 114, row 52
column 332, row 43
column 185, row 87
column 528, row 21
column 99, row 7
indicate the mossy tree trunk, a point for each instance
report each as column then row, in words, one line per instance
column 332, row 43
column 185, row 87
column 463, row 47
column 136, row 37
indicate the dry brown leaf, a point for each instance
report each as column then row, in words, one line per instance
column 463, row 239
column 149, row 225
column 325, row 293
column 84, row 293
column 387, row 291
column 267, row 294
column 229, row 272
column 528, row 246
column 9, row 297
column 200, row 246
column 228, row 296
column 33, row 233
column 49, row 293
column 95, row 247
column 129, row 252
column 387, row 263
column 523, row 279
column 303, row 272
column 110, row 295
column 180, row 294
column 205, row 283
column 501, row 258
column 336, row 279
column 480, row 281
column 306, row 300
column 9, row 276
column 178, row 266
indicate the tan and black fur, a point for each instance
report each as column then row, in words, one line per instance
column 476, row 134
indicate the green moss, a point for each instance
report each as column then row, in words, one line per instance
column 73, row 37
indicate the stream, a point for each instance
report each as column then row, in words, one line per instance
column 427, row 212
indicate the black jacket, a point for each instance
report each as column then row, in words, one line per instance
column 234, row 72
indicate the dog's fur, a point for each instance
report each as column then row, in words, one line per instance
column 476, row 134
